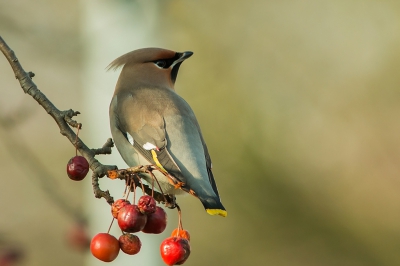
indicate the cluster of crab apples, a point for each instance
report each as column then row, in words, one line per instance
column 145, row 216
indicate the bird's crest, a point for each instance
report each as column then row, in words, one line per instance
column 121, row 61
column 141, row 56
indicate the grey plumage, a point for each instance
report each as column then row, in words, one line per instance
column 147, row 114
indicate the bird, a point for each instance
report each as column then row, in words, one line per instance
column 151, row 124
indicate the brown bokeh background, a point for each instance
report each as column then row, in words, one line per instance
column 299, row 103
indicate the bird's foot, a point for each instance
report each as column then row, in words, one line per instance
column 171, row 201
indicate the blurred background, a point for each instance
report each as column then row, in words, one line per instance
column 299, row 102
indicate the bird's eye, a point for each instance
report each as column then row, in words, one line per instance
column 161, row 63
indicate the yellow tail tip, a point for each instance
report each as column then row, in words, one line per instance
column 222, row 213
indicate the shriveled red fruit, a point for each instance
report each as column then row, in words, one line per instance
column 175, row 250
column 105, row 247
column 118, row 205
column 130, row 244
column 77, row 168
column 147, row 204
column 156, row 222
column 130, row 219
column 182, row 233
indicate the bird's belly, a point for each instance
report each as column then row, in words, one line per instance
column 134, row 158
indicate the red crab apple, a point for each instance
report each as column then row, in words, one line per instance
column 175, row 250
column 130, row 244
column 105, row 247
column 77, row 168
column 130, row 219
column 156, row 222
column 147, row 204
column 118, row 205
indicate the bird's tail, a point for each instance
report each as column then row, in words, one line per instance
column 213, row 206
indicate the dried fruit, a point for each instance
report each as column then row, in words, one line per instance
column 130, row 244
column 118, row 205
column 147, row 204
column 182, row 233
column 105, row 247
column 175, row 250
column 77, row 168
column 156, row 222
column 130, row 219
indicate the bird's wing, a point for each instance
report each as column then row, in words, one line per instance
column 173, row 132
column 209, row 170
column 144, row 123
column 208, row 161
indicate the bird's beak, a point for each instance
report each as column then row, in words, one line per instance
column 182, row 57
column 185, row 55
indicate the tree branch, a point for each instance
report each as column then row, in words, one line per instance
column 30, row 163
column 65, row 122
column 62, row 118
column 106, row 149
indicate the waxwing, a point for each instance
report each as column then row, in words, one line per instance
column 151, row 124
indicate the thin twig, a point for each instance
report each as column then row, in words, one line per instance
column 62, row 118
column 65, row 122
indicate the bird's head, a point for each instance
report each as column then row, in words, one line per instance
column 156, row 66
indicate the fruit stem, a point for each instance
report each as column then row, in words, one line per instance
column 180, row 226
column 127, row 187
column 123, row 195
column 141, row 183
column 152, row 188
column 159, row 186
column 134, row 191
column 109, row 228
column 76, row 141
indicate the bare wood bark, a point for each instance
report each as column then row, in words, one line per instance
column 64, row 120
column 29, row 162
